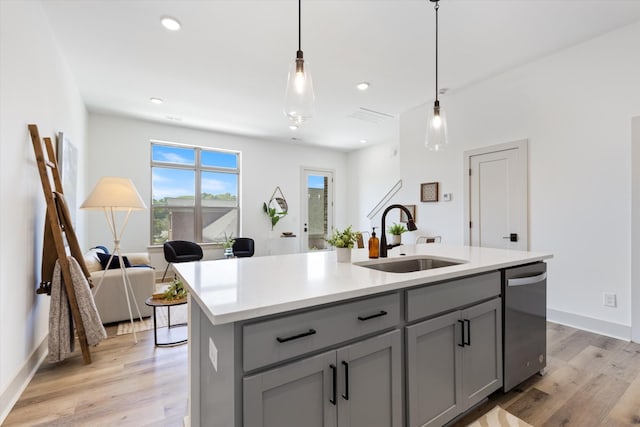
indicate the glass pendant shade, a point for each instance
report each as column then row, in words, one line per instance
column 299, row 96
column 436, row 139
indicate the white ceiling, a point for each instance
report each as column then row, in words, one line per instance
column 226, row 68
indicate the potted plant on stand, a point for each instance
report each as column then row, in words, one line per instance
column 396, row 231
column 343, row 241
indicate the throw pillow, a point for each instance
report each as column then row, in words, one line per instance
column 115, row 262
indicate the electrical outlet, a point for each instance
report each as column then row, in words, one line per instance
column 609, row 299
column 213, row 354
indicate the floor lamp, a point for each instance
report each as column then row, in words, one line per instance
column 113, row 194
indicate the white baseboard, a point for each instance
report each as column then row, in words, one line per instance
column 12, row 393
column 598, row 326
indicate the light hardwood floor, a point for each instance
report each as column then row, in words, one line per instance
column 591, row 380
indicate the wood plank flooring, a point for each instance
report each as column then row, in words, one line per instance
column 591, row 380
column 127, row 384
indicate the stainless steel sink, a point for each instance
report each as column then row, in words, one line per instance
column 408, row 265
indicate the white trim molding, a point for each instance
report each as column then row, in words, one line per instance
column 14, row 390
column 598, row 326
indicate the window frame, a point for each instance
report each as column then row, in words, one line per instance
column 197, row 168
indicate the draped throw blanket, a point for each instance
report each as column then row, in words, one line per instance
column 61, row 337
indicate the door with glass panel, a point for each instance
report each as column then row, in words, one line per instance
column 317, row 212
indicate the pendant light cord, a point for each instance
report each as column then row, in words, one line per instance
column 299, row 26
column 437, row 6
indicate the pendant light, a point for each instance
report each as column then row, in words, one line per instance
column 436, row 121
column 299, row 97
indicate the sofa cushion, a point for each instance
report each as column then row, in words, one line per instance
column 92, row 262
column 115, row 262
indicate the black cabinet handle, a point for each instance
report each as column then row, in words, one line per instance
column 295, row 337
column 373, row 316
column 345, row 396
column 462, row 342
column 468, row 341
column 335, row 380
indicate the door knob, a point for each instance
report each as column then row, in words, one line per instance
column 513, row 237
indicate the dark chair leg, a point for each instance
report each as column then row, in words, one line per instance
column 165, row 271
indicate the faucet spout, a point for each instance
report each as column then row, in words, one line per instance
column 411, row 226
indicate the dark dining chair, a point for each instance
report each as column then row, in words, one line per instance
column 243, row 247
column 177, row 251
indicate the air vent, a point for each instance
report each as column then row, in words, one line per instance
column 370, row 116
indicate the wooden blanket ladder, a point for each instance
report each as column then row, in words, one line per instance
column 58, row 223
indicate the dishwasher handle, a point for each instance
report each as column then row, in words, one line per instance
column 527, row 280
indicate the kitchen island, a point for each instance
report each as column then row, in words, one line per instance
column 302, row 340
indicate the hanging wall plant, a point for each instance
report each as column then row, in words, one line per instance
column 276, row 208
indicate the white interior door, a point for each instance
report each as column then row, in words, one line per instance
column 317, row 212
column 497, row 196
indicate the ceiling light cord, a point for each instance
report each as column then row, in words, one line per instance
column 300, row 25
column 436, row 7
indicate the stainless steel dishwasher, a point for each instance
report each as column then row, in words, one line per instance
column 524, row 299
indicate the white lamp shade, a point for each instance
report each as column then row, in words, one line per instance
column 116, row 193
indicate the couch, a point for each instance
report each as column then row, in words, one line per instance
column 110, row 299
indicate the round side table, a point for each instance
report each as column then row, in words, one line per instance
column 174, row 334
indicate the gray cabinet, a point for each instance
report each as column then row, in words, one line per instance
column 453, row 361
column 355, row 385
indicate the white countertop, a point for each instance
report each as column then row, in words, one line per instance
column 237, row 289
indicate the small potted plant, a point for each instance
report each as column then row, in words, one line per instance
column 343, row 241
column 227, row 244
column 396, row 231
column 175, row 291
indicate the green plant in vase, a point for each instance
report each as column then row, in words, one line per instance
column 396, row 231
column 343, row 241
column 227, row 244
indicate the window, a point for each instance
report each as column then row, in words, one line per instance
column 194, row 193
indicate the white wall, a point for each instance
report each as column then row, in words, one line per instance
column 121, row 147
column 575, row 108
column 36, row 87
column 372, row 173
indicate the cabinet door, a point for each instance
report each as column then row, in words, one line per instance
column 297, row 394
column 433, row 377
column 482, row 353
column 370, row 382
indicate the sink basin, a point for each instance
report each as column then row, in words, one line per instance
column 408, row 265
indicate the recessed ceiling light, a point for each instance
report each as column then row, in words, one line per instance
column 293, row 127
column 156, row 101
column 363, row 85
column 170, row 23
column 363, row 141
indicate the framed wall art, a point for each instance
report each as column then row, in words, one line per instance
column 403, row 215
column 429, row 192
column 67, row 158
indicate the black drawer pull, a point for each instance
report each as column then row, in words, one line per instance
column 462, row 330
column 468, row 342
column 373, row 316
column 345, row 396
column 335, row 385
column 295, row 337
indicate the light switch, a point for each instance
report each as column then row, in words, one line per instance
column 446, row 197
